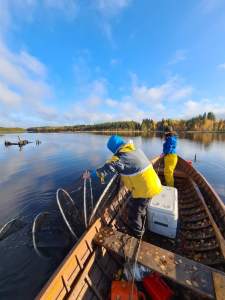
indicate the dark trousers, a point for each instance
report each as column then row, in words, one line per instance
column 138, row 207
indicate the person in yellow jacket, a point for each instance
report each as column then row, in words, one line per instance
column 137, row 174
column 169, row 154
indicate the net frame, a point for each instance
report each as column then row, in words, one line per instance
column 61, row 210
column 102, row 196
column 7, row 224
column 85, row 206
column 91, row 192
column 33, row 234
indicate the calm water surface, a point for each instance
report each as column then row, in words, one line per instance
column 30, row 176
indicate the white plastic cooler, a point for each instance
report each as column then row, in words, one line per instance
column 162, row 212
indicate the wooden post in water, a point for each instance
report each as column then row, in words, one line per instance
column 195, row 157
column 20, row 139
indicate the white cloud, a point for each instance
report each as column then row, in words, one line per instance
column 29, row 10
column 111, row 7
column 222, row 66
column 127, row 106
column 68, row 7
column 23, row 86
column 9, row 97
column 182, row 93
column 89, row 108
column 127, row 98
column 99, row 86
column 107, row 31
column 193, row 108
column 97, row 69
column 207, row 6
column 114, row 61
column 179, row 55
column 172, row 89
column 144, row 94
column 111, row 103
column 31, row 63
column 93, row 102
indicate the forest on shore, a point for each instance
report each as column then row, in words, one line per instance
column 12, row 129
column 206, row 123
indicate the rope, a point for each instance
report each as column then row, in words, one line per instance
column 129, row 260
column 123, row 213
column 135, row 262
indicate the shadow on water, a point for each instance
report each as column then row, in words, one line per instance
column 30, row 178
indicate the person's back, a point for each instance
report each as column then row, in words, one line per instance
column 169, row 154
column 136, row 172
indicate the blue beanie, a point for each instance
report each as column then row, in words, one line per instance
column 114, row 143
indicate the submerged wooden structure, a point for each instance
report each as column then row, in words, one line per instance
column 20, row 143
column 195, row 259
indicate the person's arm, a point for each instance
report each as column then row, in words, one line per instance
column 108, row 168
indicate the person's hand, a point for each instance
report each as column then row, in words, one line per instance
column 162, row 155
column 86, row 176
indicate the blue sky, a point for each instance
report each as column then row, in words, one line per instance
column 67, row 62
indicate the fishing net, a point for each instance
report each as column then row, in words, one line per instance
column 11, row 227
column 72, row 211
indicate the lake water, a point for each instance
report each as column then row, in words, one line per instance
column 30, row 176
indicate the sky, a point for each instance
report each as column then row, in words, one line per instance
column 68, row 62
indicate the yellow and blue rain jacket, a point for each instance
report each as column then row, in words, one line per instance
column 134, row 167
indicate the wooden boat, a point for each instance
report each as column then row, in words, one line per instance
column 199, row 248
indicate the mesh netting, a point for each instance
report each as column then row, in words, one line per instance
column 72, row 210
column 10, row 227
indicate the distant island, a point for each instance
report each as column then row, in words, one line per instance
column 202, row 123
column 205, row 123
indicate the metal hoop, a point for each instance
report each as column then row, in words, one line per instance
column 7, row 224
column 61, row 210
column 100, row 199
column 33, row 235
column 91, row 193
column 85, row 209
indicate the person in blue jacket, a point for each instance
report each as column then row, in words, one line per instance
column 169, row 154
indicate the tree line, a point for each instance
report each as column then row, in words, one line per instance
column 12, row 129
column 205, row 122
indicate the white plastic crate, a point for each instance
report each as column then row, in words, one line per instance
column 162, row 212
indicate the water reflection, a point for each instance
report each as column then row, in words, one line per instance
column 30, row 177
column 204, row 138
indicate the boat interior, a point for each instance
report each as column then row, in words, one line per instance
column 93, row 263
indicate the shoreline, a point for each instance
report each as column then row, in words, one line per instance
column 131, row 131
column 106, row 131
